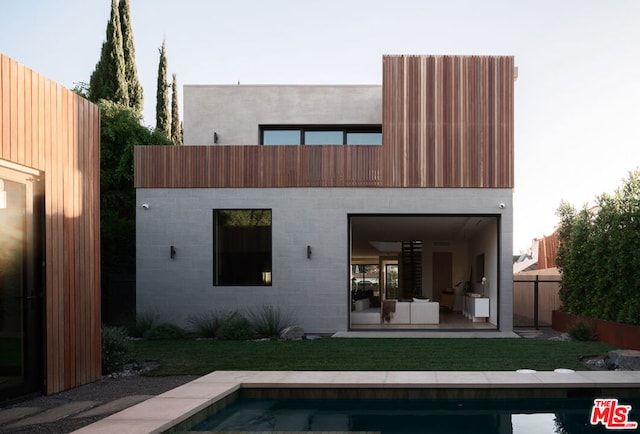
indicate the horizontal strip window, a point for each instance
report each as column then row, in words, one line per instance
column 321, row 135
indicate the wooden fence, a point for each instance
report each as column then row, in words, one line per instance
column 531, row 308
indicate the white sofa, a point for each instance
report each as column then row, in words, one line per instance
column 417, row 312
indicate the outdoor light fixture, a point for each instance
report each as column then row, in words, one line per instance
column 145, row 206
column 215, row 137
column 3, row 196
column 308, row 252
column 172, row 252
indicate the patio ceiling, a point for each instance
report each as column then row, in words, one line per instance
column 393, row 228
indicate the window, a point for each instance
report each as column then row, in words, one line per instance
column 321, row 135
column 281, row 137
column 242, row 247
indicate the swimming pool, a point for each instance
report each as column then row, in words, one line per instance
column 391, row 416
column 180, row 409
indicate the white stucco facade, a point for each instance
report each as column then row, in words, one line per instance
column 235, row 113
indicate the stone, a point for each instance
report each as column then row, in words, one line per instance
column 625, row 359
column 294, row 333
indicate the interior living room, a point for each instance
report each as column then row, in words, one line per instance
column 424, row 272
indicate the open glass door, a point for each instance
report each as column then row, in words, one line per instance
column 21, row 288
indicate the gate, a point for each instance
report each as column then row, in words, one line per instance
column 534, row 300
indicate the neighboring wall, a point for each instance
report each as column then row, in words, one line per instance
column 47, row 127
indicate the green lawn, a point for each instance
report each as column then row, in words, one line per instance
column 199, row 357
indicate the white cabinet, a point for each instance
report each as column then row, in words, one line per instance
column 476, row 308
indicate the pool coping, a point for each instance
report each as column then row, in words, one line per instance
column 164, row 411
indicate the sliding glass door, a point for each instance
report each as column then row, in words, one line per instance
column 21, row 277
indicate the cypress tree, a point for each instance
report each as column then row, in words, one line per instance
column 136, row 101
column 108, row 79
column 162, row 95
column 176, row 128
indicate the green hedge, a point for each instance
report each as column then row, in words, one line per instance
column 599, row 255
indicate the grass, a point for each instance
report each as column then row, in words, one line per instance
column 199, row 357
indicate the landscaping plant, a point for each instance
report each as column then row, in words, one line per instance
column 115, row 349
column 207, row 324
column 268, row 321
column 598, row 255
column 236, row 328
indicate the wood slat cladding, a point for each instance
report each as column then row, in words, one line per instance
column 47, row 127
column 257, row 166
column 447, row 121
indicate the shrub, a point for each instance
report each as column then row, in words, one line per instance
column 597, row 255
column 269, row 321
column 115, row 349
column 144, row 322
column 582, row 331
column 236, row 328
column 207, row 324
column 165, row 331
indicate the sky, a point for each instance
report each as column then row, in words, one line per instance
column 577, row 117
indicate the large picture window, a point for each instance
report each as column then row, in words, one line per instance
column 242, row 247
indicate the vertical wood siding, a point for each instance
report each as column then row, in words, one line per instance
column 47, row 127
column 257, row 166
column 447, row 121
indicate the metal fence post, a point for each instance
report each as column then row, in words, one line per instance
column 535, row 302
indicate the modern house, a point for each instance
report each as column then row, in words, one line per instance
column 350, row 207
column 49, row 235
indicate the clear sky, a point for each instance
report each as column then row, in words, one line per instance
column 577, row 116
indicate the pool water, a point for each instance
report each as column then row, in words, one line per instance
column 387, row 416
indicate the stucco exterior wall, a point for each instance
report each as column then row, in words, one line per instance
column 235, row 112
column 314, row 290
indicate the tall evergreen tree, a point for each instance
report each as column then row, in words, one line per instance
column 162, row 95
column 136, row 101
column 176, row 128
column 108, row 80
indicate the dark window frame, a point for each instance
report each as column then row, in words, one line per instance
column 346, row 129
column 216, row 264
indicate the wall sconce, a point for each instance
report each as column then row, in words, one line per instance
column 308, row 252
column 145, row 206
column 215, row 137
column 172, row 252
column 266, row 277
column 3, row 196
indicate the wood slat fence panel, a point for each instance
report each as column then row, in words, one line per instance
column 47, row 127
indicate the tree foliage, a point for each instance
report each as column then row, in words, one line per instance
column 176, row 127
column 162, row 95
column 598, row 255
column 120, row 132
column 134, row 88
column 108, row 80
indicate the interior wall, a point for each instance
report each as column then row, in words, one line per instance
column 486, row 243
column 460, row 266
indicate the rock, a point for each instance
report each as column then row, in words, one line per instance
column 625, row 359
column 295, row 332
